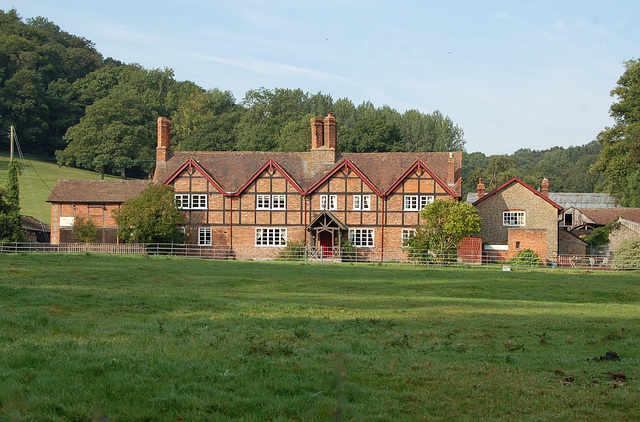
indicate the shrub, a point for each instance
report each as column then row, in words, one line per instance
column 84, row 231
column 627, row 255
column 294, row 251
column 525, row 257
column 348, row 251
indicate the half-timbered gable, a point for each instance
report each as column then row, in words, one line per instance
column 415, row 189
column 203, row 201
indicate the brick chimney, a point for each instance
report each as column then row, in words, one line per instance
column 330, row 131
column 323, row 139
column 163, row 150
column 451, row 170
column 317, row 132
column 481, row 189
column 544, row 187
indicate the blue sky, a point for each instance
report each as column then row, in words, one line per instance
column 513, row 74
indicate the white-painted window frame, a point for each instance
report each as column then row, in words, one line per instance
column 362, row 238
column 329, row 202
column 270, row 237
column 514, row 218
column 204, row 236
column 199, row 201
column 183, row 200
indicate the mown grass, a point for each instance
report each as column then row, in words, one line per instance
column 143, row 338
column 38, row 180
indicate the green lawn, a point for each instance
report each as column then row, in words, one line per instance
column 38, row 180
column 169, row 339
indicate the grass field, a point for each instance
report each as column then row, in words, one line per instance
column 36, row 183
column 168, row 339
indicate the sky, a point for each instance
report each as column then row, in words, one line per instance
column 511, row 73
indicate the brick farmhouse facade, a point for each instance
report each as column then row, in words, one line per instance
column 255, row 200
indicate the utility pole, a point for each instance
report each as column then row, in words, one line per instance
column 11, row 148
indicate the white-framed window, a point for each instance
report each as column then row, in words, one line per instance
column 271, row 202
column 204, row 236
column 271, row 237
column 279, row 202
column 407, row 234
column 411, row 203
column 417, row 202
column 426, row 200
column 182, row 201
column 362, row 202
column 263, row 202
column 328, row 202
column 361, row 238
column 513, row 218
column 198, row 201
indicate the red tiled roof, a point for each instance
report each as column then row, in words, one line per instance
column 516, row 180
column 232, row 169
column 96, row 191
column 603, row 216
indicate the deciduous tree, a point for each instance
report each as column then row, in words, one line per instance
column 620, row 157
column 151, row 217
column 444, row 223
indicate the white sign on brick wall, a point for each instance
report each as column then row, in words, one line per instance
column 66, row 221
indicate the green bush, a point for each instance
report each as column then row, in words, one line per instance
column 627, row 255
column 525, row 257
column 348, row 251
column 294, row 251
column 84, row 231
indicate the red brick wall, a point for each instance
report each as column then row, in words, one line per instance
column 534, row 239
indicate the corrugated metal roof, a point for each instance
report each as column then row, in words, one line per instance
column 568, row 200
column 583, row 200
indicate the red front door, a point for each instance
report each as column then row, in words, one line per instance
column 326, row 243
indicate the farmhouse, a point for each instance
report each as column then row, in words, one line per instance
column 251, row 201
column 515, row 216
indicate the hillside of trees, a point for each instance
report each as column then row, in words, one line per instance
column 69, row 102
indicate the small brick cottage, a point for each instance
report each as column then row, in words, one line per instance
column 248, row 201
column 515, row 216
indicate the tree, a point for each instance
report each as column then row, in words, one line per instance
column 151, row 217
column 445, row 223
column 115, row 134
column 84, row 231
column 620, row 157
column 10, row 221
column 371, row 135
column 36, row 59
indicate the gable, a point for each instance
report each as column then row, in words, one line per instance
column 345, row 178
column 522, row 192
column 420, row 179
column 270, row 179
column 192, row 177
column 515, row 196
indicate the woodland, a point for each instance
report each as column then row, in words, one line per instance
column 69, row 103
